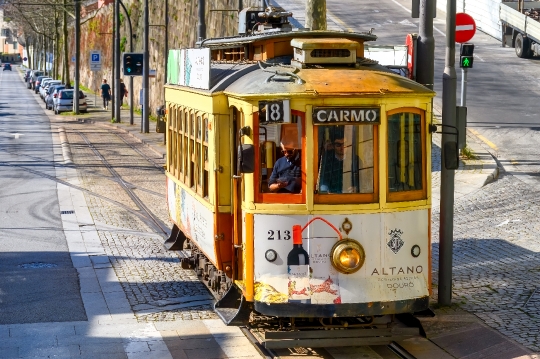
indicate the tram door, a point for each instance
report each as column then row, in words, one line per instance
column 237, row 195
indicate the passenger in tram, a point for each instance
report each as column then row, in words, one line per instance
column 338, row 169
column 287, row 173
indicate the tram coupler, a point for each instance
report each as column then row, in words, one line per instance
column 176, row 240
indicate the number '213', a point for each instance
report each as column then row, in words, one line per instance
column 279, row 235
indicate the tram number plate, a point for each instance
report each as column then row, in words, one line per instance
column 279, row 235
column 277, row 111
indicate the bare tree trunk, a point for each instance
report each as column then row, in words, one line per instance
column 316, row 14
column 66, row 52
column 56, row 44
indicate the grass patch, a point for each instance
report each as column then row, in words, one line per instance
column 468, row 153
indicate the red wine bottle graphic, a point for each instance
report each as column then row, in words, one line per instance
column 298, row 270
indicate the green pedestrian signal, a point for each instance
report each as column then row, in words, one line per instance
column 466, row 56
column 466, row 62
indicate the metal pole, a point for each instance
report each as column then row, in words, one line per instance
column 77, row 55
column 316, row 14
column 116, row 89
column 425, row 45
column 130, row 77
column 112, row 102
column 146, row 71
column 166, row 44
column 446, row 232
column 464, row 87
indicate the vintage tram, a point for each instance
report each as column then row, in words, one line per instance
column 298, row 175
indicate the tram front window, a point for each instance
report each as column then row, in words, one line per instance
column 281, row 170
column 345, row 159
column 404, row 152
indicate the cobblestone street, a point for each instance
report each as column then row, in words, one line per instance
column 157, row 288
column 496, row 267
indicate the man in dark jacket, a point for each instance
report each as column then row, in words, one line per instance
column 286, row 176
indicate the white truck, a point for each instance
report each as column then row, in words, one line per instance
column 521, row 26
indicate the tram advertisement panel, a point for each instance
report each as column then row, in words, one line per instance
column 193, row 218
column 396, row 265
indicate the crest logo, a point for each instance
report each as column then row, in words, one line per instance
column 395, row 243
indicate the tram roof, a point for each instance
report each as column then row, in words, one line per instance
column 373, row 80
column 232, row 41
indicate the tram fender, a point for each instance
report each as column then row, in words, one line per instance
column 233, row 308
column 176, row 240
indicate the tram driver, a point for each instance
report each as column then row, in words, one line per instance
column 339, row 165
column 287, row 173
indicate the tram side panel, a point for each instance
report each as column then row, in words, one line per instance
column 204, row 220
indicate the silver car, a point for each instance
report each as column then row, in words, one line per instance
column 53, row 93
column 64, row 101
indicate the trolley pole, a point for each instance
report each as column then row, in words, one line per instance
column 131, row 77
column 446, row 231
column 316, row 14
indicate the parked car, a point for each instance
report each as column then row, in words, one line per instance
column 53, row 93
column 7, row 66
column 39, row 81
column 45, row 86
column 27, row 75
column 33, row 77
column 64, row 101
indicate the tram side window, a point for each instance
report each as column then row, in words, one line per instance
column 281, row 157
column 345, row 159
column 404, row 152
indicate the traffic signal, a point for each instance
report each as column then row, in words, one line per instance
column 466, row 56
column 133, row 63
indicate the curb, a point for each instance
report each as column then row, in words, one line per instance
column 492, row 177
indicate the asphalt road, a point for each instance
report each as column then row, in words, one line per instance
column 37, row 280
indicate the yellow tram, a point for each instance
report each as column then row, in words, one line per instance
column 298, row 174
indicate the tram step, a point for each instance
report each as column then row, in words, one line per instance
column 232, row 308
column 176, row 240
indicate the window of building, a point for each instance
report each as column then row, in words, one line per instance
column 345, row 165
column 406, row 156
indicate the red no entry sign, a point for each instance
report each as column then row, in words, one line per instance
column 465, row 27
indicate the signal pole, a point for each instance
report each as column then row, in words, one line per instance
column 425, row 58
column 116, row 89
column 77, row 55
column 446, row 230
column 146, row 71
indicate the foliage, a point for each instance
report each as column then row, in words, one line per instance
column 123, row 42
column 468, row 153
column 93, row 25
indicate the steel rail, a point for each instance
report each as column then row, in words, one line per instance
column 154, row 222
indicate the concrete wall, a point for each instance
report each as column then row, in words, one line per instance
column 484, row 12
column 97, row 27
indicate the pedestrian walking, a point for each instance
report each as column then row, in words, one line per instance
column 105, row 94
column 123, row 92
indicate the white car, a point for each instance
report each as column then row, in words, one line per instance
column 64, row 101
column 45, row 85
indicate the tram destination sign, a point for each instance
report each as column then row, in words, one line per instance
column 326, row 115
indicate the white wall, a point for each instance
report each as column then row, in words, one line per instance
column 484, row 12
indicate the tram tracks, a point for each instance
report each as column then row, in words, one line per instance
column 148, row 218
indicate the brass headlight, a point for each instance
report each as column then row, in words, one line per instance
column 348, row 256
